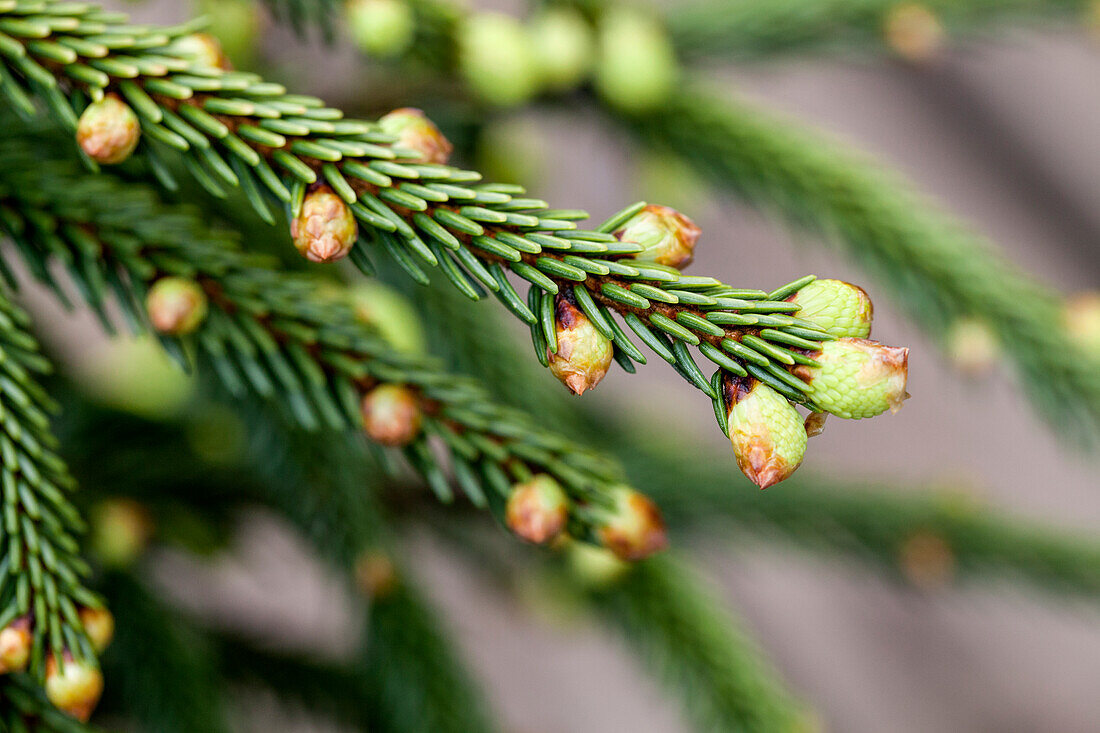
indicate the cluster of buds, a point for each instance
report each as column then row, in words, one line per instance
column 108, row 130
column 537, row 510
column 666, row 236
column 913, row 32
column 415, row 131
column 583, row 354
column 176, row 306
column 381, row 28
column 325, row 229
column 632, row 527
column 766, row 431
column 391, row 415
column 203, row 49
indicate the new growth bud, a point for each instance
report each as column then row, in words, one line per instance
column 15, row 645
column 382, row 28
column 668, row 237
column 391, row 415
column 840, row 308
column 767, row 433
column 1082, row 319
column 914, row 32
column 325, row 229
column 120, row 531
column 972, row 346
column 414, row 130
column 99, row 625
column 633, row 528
column 496, row 59
column 176, row 305
column 375, row 574
column 73, row 687
column 537, row 510
column 203, row 49
column 563, row 45
column 857, row 378
column 584, row 354
column 636, row 67
column 108, row 130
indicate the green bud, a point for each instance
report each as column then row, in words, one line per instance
column 496, row 59
column 636, row 66
column 633, row 528
column 767, row 433
column 99, row 625
column 176, row 306
column 73, row 686
column 391, row 314
column 391, row 415
column 120, row 531
column 972, row 346
column 236, row 24
column 563, row 46
column 667, row 235
column 382, row 28
column 584, row 354
column 375, row 574
column 857, row 378
column 16, row 641
column 108, row 130
column 1082, row 320
column 840, row 308
column 414, row 130
column 594, row 567
column 203, row 49
column 325, row 229
column 537, row 510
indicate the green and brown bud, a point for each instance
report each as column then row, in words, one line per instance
column 584, row 354
column 496, row 59
column 325, row 229
column 99, row 625
column 375, row 574
column 108, row 130
column 176, row 306
column 595, row 567
column 16, row 642
column 926, row 560
column 633, row 528
column 913, row 32
column 857, row 377
column 840, row 308
column 1082, row 320
column 120, row 531
column 563, row 47
column 537, row 510
column 767, row 433
column 636, row 67
column 381, row 28
column 73, row 687
column 667, row 236
column 414, row 130
column 391, row 415
column 203, row 49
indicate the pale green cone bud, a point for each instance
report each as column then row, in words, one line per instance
column 840, row 308
column 99, row 625
column 176, row 306
column 414, row 130
column 537, row 510
column 391, row 314
column 563, row 46
column 668, row 237
column 108, row 130
column 391, row 415
column 857, row 377
column 584, row 354
column 382, row 28
column 496, row 59
column 972, row 346
column 633, row 528
column 1082, row 319
column 325, row 229
column 767, row 433
column 16, row 642
column 203, row 49
column 636, row 66
column 73, row 687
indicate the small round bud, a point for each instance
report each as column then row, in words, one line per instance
column 325, row 229
column 495, row 58
column 636, row 66
column 563, row 47
column 767, row 433
column 375, row 574
column 667, row 235
column 108, row 130
column 99, row 625
column 595, row 567
column 633, row 528
column 203, row 49
column 120, row 531
column 391, row 415
column 73, row 687
column 537, row 510
column 16, row 642
column 857, row 378
column 1082, row 319
column 584, row 354
column 926, row 560
column 913, row 32
column 176, row 305
column 236, row 24
column 840, row 308
column 972, row 346
column 414, row 130
column 391, row 314
column 382, row 28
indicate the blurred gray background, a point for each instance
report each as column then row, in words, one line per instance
column 1002, row 133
